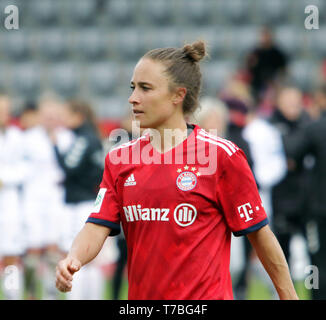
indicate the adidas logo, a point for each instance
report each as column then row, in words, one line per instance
column 130, row 181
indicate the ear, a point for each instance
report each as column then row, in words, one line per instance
column 179, row 95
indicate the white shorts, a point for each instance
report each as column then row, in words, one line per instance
column 43, row 219
column 75, row 216
column 11, row 231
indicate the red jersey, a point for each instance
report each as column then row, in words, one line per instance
column 178, row 210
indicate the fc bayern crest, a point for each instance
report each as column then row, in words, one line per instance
column 186, row 181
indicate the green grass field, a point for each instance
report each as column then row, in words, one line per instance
column 257, row 290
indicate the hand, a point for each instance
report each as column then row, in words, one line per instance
column 64, row 272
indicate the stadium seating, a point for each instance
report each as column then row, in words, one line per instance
column 91, row 43
column 82, row 14
column 65, row 78
column 111, row 107
column 241, row 40
column 317, row 44
column 128, row 44
column 102, row 78
column 235, row 11
column 196, row 12
column 91, row 46
column 215, row 75
column 271, row 12
column 164, row 37
column 53, row 44
column 26, row 79
column 299, row 10
column 304, row 74
column 158, row 12
column 45, row 12
column 120, row 12
column 289, row 39
column 5, row 77
column 17, row 45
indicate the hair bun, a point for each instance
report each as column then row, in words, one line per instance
column 195, row 51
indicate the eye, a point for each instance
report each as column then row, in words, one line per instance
column 132, row 88
column 145, row 88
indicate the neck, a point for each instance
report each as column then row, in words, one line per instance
column 166, row 137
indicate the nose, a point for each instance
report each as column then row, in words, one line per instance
column 133, row 99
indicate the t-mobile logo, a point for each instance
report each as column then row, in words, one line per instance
column 245, row 211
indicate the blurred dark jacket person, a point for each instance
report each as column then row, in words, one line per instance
column 265, row 63
column 289, row 195
column 311, row 140
column 83, row 163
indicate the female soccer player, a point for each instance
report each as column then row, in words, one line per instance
column 178, row 192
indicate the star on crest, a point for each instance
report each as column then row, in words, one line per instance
column 187, row 168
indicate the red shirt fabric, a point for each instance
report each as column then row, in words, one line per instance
column 177, row 211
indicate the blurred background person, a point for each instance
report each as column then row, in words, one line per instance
column 42, row 198
column 29, row 116
column 83, row 166
column 211, row 115
column 269, row 167
column 310, row 140
column 238, row 110
column 266, row 64
column 119, row 136
column 12, row 174
column 289, row 196
column 227, row 118
column 263, row 148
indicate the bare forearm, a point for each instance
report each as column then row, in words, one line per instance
column 271, row 256
column 88, row 243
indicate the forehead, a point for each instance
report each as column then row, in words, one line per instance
column 149, row 71
column 4, row 103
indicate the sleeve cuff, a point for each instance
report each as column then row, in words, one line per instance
column 252, row 228
column 115, row 228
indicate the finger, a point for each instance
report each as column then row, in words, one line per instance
column 63, row 270
column 62, row 287
column 61, row 281
column 74, row 266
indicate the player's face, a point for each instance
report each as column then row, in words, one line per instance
column 290, row 103
column 71, row 118
column 151, row 98
column 4, row 111
column 49, row 116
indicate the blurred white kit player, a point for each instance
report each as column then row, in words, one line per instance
column 43, row 196
column 12, row 172
column 43, row 199
column 268, row 155
column 269, row 167
column 82, row 164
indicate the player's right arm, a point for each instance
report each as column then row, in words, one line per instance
column 84, row 249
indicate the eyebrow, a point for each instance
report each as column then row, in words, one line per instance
column 141, row 83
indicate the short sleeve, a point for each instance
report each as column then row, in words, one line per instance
column 106, row 207
column 238, row 195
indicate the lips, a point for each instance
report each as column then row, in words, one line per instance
column 135, row 111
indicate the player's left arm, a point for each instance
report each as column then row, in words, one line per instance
column 272, row 257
